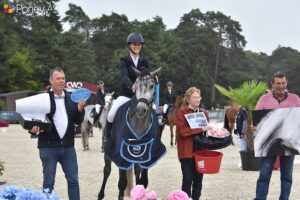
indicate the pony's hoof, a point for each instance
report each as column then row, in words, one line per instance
column 100, row 196
column 171, row 143
column 102, row 150
column 86, row 148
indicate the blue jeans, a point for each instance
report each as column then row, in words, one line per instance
column 265, row 173
column 191, row 179
column 66, row 156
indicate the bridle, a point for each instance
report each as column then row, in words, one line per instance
column 148, row 102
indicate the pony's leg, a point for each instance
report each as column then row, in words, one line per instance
column 106, row 173
column 144, row 178
column 161, row 129
column 172, row 136
column 103, row 139
column 122, row 183
column 129, row 178
column 137, row 173
column 85, row 135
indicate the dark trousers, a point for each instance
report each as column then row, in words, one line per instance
column 66, row 156
column 191, row 179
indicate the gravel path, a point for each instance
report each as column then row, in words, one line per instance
column 23, row 168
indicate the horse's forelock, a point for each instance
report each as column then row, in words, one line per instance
column 145, row 72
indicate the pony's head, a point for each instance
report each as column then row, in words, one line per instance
column 144, row 94
column 108, row 99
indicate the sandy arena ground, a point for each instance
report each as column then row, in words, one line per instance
column 23, row 169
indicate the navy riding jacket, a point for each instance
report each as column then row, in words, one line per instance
column 128, row 75
column 100, row 99
column 169, row 98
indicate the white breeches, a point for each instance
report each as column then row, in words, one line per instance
column 97, row 108
column 165, row 108
column 115, row 106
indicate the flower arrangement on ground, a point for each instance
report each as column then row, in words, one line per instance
column 140, row 193
column 178, row 195
column 16, row 193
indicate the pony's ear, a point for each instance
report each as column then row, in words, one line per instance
column 112, row 93
column 155, row 71
column 136, row 71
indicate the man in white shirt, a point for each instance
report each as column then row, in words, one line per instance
column 57, row 145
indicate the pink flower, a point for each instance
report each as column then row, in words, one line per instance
column 140, row 193
column 150, row 195
column 137, row 193
column 178, row 195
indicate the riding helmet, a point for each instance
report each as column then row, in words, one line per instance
column 135, row 37
column 169, row 83
column 100, row 82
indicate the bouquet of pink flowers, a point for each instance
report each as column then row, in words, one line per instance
column 140, row 193
column 178, row 195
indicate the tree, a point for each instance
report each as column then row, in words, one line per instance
column 78, row 56
column 78, row 20
column 109, row 36
column 16, row 62
column 212, row 39
column 247, row 96
column 287, row 60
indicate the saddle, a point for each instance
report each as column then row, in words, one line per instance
column 126, row 148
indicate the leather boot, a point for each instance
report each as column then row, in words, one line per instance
column 108, row 127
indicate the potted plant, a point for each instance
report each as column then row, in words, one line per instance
column 247, row 96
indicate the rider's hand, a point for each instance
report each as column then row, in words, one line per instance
column 133, row 88
column 81, row 105
column 156, row 79
column 106, row 106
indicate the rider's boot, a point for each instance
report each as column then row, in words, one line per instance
column 108, row 127
column 107, row 130
column 96, row 118
column 165, row 116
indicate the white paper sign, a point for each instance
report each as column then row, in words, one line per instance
column 196, row 120
column 34, row 107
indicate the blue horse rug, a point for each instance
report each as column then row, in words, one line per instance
column 125, row 148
